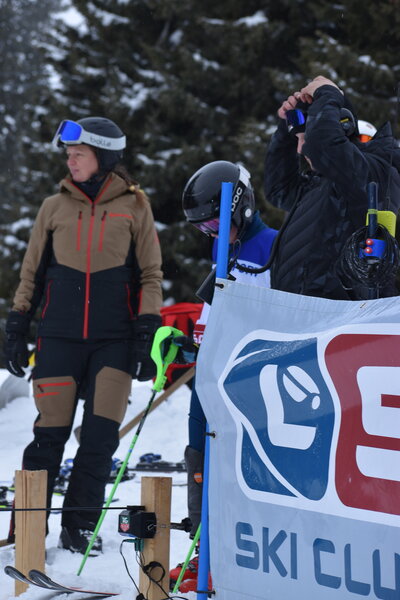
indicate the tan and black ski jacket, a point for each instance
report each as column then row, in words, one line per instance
column 94, row 265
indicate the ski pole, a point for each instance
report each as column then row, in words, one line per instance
column 187, row 376
column 187, row 560
column 163, row 352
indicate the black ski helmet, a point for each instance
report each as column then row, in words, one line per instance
column 104, row 128
column 201, row 199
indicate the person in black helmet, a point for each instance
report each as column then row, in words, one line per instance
column 327, row 201
column 250, row 241
column 93, row 263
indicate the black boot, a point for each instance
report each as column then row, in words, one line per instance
column 194, row 464
column 77, row 540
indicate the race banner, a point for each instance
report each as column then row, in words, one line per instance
column 303, row 396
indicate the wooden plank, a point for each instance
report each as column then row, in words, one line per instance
column 156, row 497
column 30, row 526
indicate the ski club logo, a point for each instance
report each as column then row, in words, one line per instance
column 284, row 416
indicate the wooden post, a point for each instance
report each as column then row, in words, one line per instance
column 156, row 497
column 30, row 527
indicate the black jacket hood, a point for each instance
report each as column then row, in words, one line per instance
column 384, row 145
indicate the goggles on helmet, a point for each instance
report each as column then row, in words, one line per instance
column 211, row 226
column 72, row 133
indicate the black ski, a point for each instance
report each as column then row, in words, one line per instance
column 4, row 502
column 160, row 465
column 15, row 574
column 43, row 581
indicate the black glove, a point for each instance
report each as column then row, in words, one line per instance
column 188, row 350
column 144, row 328
column 15, row 349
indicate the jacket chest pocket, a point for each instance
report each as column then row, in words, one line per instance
column 113, row 225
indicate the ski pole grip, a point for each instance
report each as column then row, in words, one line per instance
column 163, row 352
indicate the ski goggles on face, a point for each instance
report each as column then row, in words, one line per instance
column 211, row 226
column 296, row 120
column 72, row 133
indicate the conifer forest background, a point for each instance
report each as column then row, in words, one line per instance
column 189, row 81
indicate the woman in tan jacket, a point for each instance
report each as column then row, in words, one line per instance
column 93, row 263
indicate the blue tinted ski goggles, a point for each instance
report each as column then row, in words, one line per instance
column 296, row 120
column 72, row 133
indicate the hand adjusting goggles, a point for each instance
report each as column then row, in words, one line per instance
column 71, row 133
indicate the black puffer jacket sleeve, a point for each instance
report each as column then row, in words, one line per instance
column 345, row 163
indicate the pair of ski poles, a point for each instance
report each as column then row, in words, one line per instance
column 163, row 351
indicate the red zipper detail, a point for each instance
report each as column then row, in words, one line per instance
column 87, row 281
column 79, row 232
column 128, row 293
column 121, row 215
column 47, row 299
column 103, row 224
column 55, row 383
column 88, row 263
column 140, row 301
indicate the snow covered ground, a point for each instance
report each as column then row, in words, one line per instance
column 164, row 432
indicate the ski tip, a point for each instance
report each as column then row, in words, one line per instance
column 15, row 574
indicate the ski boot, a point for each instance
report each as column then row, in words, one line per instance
column 190, row 573
column 190, row 585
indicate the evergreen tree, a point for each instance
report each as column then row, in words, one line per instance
column 23, row 88
column 189, row 82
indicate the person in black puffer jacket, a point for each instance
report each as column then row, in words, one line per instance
column 329, row 202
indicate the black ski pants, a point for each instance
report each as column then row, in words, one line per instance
column 66, row 370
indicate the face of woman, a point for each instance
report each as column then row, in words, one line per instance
column 82, row 162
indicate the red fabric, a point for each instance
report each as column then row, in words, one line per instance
column 182, row 316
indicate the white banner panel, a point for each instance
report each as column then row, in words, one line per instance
column 304, row 397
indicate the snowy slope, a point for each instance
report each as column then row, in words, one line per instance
column 165, row 432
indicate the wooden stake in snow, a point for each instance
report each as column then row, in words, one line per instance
column 156, row 497
column 30, row 527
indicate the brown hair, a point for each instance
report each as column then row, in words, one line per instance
column 134, row 186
